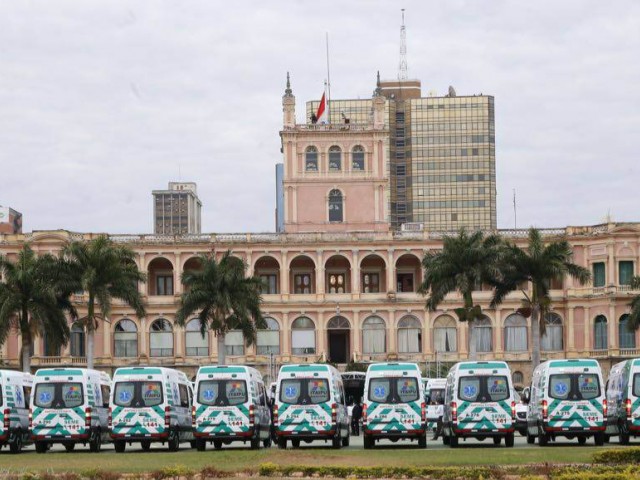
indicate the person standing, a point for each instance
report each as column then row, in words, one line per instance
column 356, row 415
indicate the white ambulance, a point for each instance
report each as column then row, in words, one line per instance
column 434, row 398
column 394, row 405
column 623, row 400
column 230, row 405
column 479, row 403
column 310, row 406
column 15, row 392
column 70, row 406
column 567, row 399
column 150, row 405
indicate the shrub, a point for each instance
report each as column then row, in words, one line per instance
column 212, row 472
column 618, row 456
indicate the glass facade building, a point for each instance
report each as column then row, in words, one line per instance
column 441, row 155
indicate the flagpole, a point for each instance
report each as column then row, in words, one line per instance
column 328, row 82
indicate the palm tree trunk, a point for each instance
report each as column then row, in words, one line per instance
column 472, row 340
column 90, row 326
column 90, row 341
column 535, row 336
column 221, row 349
column 26, row 353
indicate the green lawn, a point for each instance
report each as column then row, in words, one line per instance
column 236, row 460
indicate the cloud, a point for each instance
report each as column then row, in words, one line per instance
column 102, row 102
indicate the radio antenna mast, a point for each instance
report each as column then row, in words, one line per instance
column 402, row 73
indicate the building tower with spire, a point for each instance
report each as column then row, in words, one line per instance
column 334, row 175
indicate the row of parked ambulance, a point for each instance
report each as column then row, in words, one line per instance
column 226, row 404
column 567, row 398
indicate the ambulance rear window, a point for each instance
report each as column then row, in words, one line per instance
column 393, row 390
column 222, row 393
column 483, row 388
column 574, row 386
column 137, row 394
column 59, row 395
column 636, row 385
column 304, row 391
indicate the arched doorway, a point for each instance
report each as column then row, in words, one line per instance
column 338, row 333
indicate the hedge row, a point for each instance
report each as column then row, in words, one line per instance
column 618, row 456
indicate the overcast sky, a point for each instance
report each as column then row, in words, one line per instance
column 102, row 102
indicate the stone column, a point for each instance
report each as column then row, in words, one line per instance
column 284, row 274
column 143, row 337
column 355, row 272
column 321, row 336
column 143, row 286
column 106, row 338
column 177, row 274
column 611, row 327
column 499, row 346
column 356, row 340
column 320, row 280
column 392, row 342
column 570, row 330
column 391, row 268
column 285, row 335
column 588, row 325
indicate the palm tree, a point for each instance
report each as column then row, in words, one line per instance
column 103, row 271
column 539, row 265
column 465, row 262
column 33, row 301
column 633, row 320
column 223, row 298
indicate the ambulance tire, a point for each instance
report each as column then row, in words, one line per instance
column 119, row 446
column 445, row 440
column 453, row 441
column 217, row 444
column 95, row 441
column 543, row 438
column 69, row 446
column 15, row 443
column 145, row 445
column 174, row 441
column 509, row 440
column 41, row 447
column 346, row 440
column 201, row 445
column 295, row 443
column 255, row 442
column 582, row 440
column 368, row 442
column 422, row 441
column 497, row 440
column 530, row 438
column 266, row 443
column 282, row 443
column 624, row 434
column 598, row 438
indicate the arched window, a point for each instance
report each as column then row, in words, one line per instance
column 234, row 342
column 552, row 340
column 303, row 336
column 445, row 334
column 357, row 158
column 374, row 335
column 409, row 335
column 518, row 378
column 515, row 333
column 268, row 340
column 311, row 159
column 484, row 335
column 161, row 339
column 196, row 344
column 335, row 206
column 49, row 349
column 125, row 339
column 335, row 159
column 626, row 337
column 600, row 337
column 338, row 323
column 77, row 344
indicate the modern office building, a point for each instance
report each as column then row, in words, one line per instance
column 176, row 211
column 10, row 220
column 441, row 154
